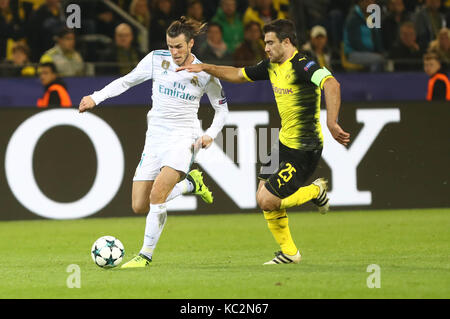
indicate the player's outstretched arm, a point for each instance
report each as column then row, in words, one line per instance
column 222, row 72
column 333, row 101
column 86, row 103
column 142, row 72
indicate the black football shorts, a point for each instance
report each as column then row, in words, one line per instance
column 286, row 173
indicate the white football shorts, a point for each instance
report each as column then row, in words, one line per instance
column 159, row 152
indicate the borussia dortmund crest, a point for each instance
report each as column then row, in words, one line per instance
column 165, row 65
column 194, row 81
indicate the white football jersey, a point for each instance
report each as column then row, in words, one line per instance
column 175, row 95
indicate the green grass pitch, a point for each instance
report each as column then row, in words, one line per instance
column 221, row 256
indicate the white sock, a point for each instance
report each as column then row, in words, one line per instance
column 183, row 187
column 156, row 219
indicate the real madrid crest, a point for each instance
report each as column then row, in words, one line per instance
column 194, row 81
column 165, row 65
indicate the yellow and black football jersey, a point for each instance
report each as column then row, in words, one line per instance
column 297, row 85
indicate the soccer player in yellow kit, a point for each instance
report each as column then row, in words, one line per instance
column 297, row 82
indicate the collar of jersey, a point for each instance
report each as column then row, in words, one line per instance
column 280, row 65
column 196, row 61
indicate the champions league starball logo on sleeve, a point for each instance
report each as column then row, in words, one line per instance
column 308, row 65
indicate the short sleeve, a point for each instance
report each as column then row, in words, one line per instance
column 256, row 72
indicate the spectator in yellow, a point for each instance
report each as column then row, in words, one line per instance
column 12, row 26
column 283, row 6
column 67, row 60
column 262, row 12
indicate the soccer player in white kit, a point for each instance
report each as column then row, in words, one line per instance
column 173, row 129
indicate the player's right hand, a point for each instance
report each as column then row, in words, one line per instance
column 196, row 68
column 86, row 103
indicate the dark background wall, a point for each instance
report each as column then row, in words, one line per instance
column 406, row 166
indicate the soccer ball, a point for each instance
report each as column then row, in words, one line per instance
column 107, row 252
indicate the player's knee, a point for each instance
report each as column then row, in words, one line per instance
column 265, row 200
column 157, row 196
column 266, row 204
column 140, row 208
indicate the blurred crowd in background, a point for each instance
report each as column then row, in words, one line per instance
column 111, row 40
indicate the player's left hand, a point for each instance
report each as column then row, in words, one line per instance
column 206, row 141
column 203, row 142
column 339, row 134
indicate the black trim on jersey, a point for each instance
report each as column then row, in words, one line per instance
column 258, row 72
column 304, row 67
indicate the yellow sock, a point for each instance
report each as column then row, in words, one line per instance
column 278, row 225
column 301, row 196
